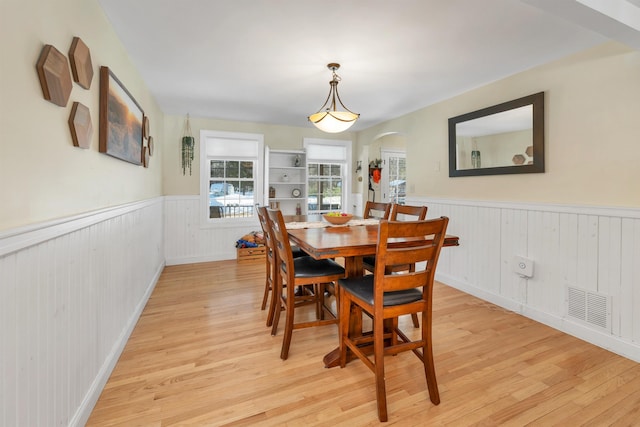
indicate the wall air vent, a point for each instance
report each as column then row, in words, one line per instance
column 589, row 307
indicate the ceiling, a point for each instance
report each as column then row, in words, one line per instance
column 265, row 60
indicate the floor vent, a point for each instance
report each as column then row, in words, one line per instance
column 589, row 307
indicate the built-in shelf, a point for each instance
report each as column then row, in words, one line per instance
column 278, row 189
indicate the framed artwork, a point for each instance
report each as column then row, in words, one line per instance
column 121, row 120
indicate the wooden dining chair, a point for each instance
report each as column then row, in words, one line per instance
column 384, row 296
column 270, row 264
column 376, row 210
column 400, row 213
column 413, row 213
column 313, row 277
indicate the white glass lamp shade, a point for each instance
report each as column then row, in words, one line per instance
column 333, row 121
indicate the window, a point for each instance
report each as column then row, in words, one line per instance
column 231, row 178
column 394, row 176
column 328, row 175
column 231, row 188
column 325, row 187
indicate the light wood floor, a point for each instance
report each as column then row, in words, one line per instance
column 201, row 355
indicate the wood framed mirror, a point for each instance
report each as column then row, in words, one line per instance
column 507, row 138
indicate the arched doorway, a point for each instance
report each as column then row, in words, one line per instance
column 388, row 182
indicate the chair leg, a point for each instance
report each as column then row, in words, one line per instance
column 290, row 307
column 265, row 297
column 414, row 318
column 272, row 302
column 277, row 302
column 267, row 285
column 272, row 309
column 275, row 314
column 276, row 292
column 318, row 290
column 344, row 313
column 378, row 351
column 429, row 367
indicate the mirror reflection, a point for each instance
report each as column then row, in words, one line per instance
column 496, row 140
column 502, row 139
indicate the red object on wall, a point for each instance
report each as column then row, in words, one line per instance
column 376, row 175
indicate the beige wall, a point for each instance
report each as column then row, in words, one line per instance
column 592, row 146
column 278, row 137
column 42, row 175
column 592, row 128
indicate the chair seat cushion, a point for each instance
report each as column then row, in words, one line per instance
column 307, row 266
column 370, row 260
column 362, row 287
column 297, row 252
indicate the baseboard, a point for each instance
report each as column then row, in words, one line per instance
column 608, row 342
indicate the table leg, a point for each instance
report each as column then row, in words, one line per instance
column 353, row 266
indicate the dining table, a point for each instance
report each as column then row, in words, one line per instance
column 352, row 241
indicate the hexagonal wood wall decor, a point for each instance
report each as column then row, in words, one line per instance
column 145, row 127
column 518, row 159
column 529, row 151
column 55, row 78
column 81, row 65
column 80, row 125
column 145, row 157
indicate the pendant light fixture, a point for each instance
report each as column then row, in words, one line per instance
column 328, row 119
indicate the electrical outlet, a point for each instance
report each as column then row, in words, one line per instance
column 523, row 266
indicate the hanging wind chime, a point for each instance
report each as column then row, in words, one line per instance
column 188, row 147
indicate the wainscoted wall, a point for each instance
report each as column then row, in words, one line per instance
column 188, row 241
column 591, row 249
column 71, row 292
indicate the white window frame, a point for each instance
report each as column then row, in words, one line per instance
column 209, row 140
column 347, row 144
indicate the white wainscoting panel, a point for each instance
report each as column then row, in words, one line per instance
column 188, row 240
column 71, row 291
column 591, row 248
